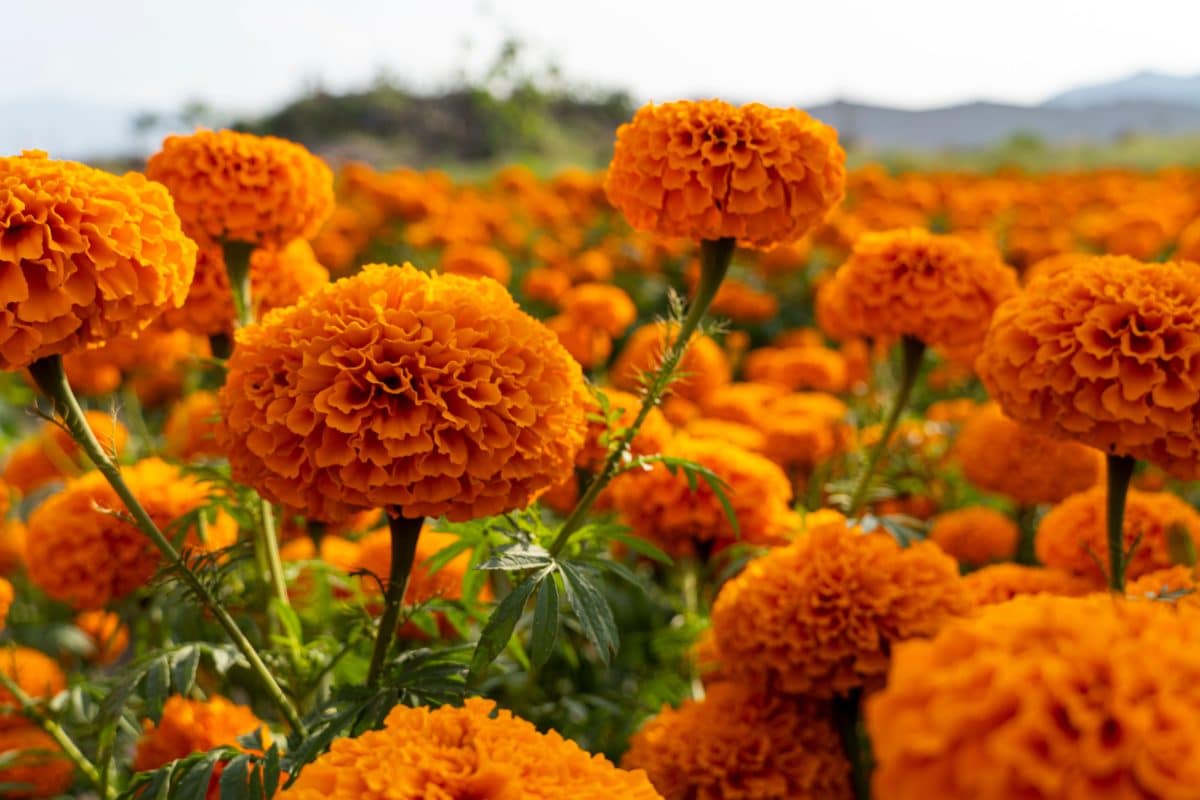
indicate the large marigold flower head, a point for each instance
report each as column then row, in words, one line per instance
column 660, row 505
column 1103, row 353
column 805, row 428
column 52, row 454
column 38, row 676
column 191, row 427
column 84, row 256
column 711, row 170
column 435, row 394
column 602, row 305
column 704, row 367
column 38, row 765
column 937, row 288
column 1046, row 697
column 1000, row 455
column 741, row 744
column 999, row 583
column 102, row 556
column 975, row 535
column 819, row 617
column 1072, row 535
column 231, row 186
column 463, row 752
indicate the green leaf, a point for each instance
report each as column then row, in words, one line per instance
column 592, row 609
column 620, row 570
column 1181, row 548
column 183, row 669
column 288, row 617
column 271, row 771
column 719, row 487
column 545, row 622
column 643, row 547
column 500, row 624
column 517, row 556
column 235, row 780
column 193, row 784
column 158, row 686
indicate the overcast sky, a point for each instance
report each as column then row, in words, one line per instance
column 251, row 54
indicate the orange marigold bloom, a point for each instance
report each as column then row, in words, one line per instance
column 154, row 362
column 798, row 368
column 12, row 545
column 545, row 285
column 463, row 752
column 434, row 394
column 100, row 556
column 999, row 583
column 909, row 282
column 1044, row 697
column 278, row 277
column 722, row 430
column 191, row 427
column 52, row 454
column 1104, row 353
column 601, row 305
column 231, row 186
column 710, row 170
column 38, row 675
column 108, row 635
column 1072, row 536
column 704, row 366
column 37, row 763
column 820, row 616
column 1003, row 456
column 975, row 535
column 476, row 261
column 6, row 598
column 660, row 505
column 589, row 345
column 1175, row 584
column 740, row 402
column 741, row 744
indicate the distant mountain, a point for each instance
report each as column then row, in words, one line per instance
column 1146, row 87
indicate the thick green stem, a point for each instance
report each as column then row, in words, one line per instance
column 1027, row 527
column 1120, row 471
column 690, row 573
column 847, row 713
column 237, row 267
column 269, row 542
column 54, row 731
column 715, row 257
column 913, row 352
column 405, row 533
column 52, row 381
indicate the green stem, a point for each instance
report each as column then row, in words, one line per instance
column 405, row 533
column 913, row 351
column 54, row 731
column 1120, row 471
column 1026, row 550
column 847, row 712
column 237, row 267
column 269, row 542
column 52, row 381
column 690, row 569
column 715, row 257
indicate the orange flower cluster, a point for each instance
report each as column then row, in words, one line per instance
column 819, row 617
column 34, row 762
column 809, row 367
column 975, row 535
column 52, row 454
column 153, row 362
column 1101, row 353
column 659, row 504
column 6, row 598
column 108, row 635
column 1072, row 536
column 191, row 427
column 704, row 366
column 801, row 429
column 231, row 186
column 477, row 261
column 594, row 314
column 740, row 744
column 909, row 282
column 1175, row 584
column 37, row 675
column 433, row 394
column 999, row 455
column 84, row 256
column 1045, row 697
column 100, row 556
column 463, row 752
column 710, row 170
column 999, row 583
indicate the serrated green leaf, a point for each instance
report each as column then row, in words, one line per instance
column 517, row 556
column 288, row 617
column 183, row 669
column 193, row 783
column 642, row 547
column 620, row 570
column 235, row 780
column 499, row 628
column 271, row 771
column 157, row 686
column 545, row 622
column 591, row 608
column 719, row 488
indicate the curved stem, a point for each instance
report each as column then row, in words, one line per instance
column 1120, row 471
column 913, row 352
column 715, row 257
column 1026, row 523
column 847, row 711
column 54, row 731
column 237, row 267
column 405, row 533
column 52, row 381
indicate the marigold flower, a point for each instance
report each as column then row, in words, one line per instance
column 659, row 504
column 589, row 345
column 1072, row 535
column 476, row 261
column 798, row 368
column 740, row 402
column 108, row 635
column 941, row 290
column 37, row 764
column 710, row 170
column 100, row 556
column 6, row 598
column 819, row 617
column 231, row 186
column 84, row 256
column 545, row 285
column 704, row 366
column 805, row 428
column 12, row 545
column 1102, row 353
column 999, row 583
column 601, row 305
column 1046, row 697
column 52, row 454
column 975, row 535
column 463, row 752
column 741, row 744
column 375, row 557
column 38, row 676
column 722, row 430
column 1175, row 584
column 651, row 438
column 434, row 394
column 153, row 362
column 191, row 427
column 1003, row 456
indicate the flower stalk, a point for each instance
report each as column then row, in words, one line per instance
column 912, row 354
column 51, row 380
column 405, row 532
column 1120, row 471
column 847, row 715
column 715, row 258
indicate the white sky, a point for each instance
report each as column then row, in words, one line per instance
column 252, row 54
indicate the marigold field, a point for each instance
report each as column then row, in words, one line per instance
column 726, row 473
